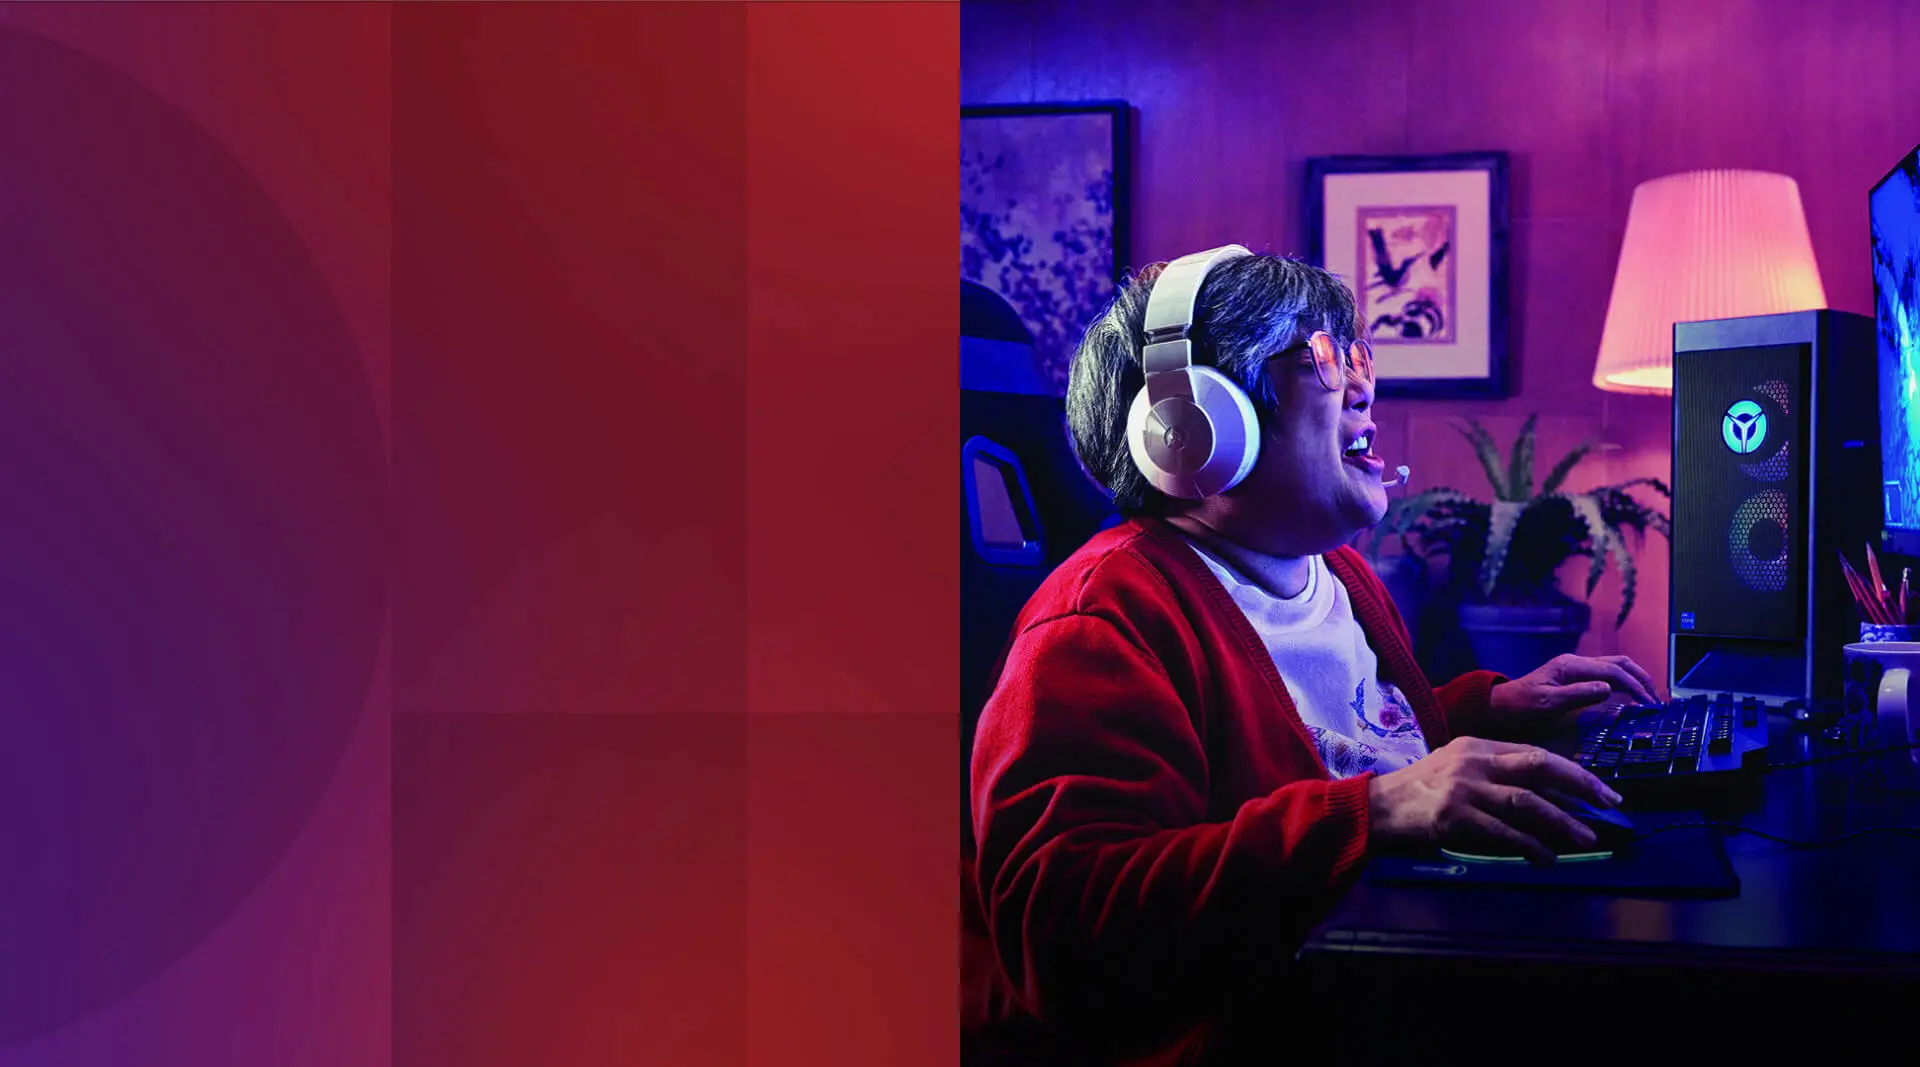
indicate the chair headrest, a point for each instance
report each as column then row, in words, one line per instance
column 996, row 348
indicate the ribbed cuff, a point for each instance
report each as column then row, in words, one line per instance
column 1473, row 707
column 1480, row 692
column 1348, row 808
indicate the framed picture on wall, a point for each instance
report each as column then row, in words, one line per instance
column 1043, row 215
column 1423, row 242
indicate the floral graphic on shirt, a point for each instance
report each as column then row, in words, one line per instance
column 1395, row 719
column 1343, row 756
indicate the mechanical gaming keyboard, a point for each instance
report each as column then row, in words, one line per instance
column 1695, row 738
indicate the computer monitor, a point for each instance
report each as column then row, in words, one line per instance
column 1894, row 212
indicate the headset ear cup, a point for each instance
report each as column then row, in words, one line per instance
column 1143, row 424
column 1236, row 430
column 1218, row 442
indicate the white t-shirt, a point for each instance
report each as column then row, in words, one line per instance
column 1359, row 721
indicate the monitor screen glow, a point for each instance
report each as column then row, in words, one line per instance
column 1894, row 211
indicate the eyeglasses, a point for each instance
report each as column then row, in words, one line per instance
column 1327, row 366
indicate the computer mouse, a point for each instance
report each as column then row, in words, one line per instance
column 1611, row 829
column 1612, row 832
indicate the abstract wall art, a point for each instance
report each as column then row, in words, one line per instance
column 1043, row 215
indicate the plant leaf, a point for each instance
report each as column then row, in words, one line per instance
column 1599, row 531
column 1520, row 468
column 1630, row 512
column 1483, row 447
column 1565, row 467
column 1645, row 516
column 1628, row 578
column 1658, row 486
column 1501, row 519
column 1407, row 511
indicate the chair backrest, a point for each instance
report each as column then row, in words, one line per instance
column 1027, row 503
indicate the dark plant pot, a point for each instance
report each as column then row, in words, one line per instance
column 1406, row 580
column 1516, row 640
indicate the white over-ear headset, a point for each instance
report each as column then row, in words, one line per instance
column 1191, row 430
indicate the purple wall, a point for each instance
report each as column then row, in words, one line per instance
column 1590, row 96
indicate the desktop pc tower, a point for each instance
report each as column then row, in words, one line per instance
column 1776, row 472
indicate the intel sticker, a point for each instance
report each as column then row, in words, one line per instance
column 1686, row 620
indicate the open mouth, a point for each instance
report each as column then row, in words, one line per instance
column 1359, row 453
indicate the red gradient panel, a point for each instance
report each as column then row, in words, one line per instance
column 196, row 341
column 853, row 522
column 853, row 902
column 853, row 354
column 569, row 256
column 569, row 451
column 569, row 889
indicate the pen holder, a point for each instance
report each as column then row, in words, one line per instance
column 1873, row 633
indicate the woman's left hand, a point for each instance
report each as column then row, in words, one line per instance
column 1568, row 683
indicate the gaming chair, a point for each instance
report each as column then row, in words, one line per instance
column 1027, row 503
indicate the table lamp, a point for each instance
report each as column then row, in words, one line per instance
column 1704, row 244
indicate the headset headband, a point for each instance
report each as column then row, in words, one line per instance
column 1170, row 314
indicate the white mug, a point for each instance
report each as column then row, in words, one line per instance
column 1880, row 681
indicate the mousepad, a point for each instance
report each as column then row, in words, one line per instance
column 1679, row 863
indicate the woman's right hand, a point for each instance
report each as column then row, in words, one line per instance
column 1472, row 793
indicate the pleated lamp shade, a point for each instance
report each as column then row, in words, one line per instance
column 1706, row 244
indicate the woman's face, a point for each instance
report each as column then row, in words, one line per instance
column 1317, row 473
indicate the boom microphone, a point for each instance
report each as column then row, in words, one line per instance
column 1404, row 472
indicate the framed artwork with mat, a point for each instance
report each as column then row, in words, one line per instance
column 1422, row 240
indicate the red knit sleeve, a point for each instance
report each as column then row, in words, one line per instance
column 1109, row 895
column 1464, row 701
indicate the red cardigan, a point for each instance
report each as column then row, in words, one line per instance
column 1154, row 829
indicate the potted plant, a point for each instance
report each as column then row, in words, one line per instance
column 1504, row 555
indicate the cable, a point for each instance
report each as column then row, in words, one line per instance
column 1905, row 831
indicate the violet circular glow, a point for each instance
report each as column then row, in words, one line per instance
column 192, row 514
